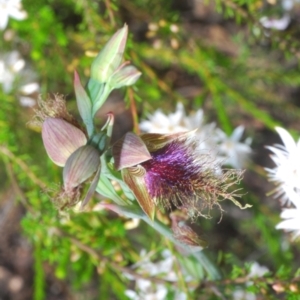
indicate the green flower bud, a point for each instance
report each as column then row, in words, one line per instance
column 107, row 72
column 109, row 59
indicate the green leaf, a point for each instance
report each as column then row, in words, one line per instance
column 84, row 104
column 106, row 189
column 98, row 93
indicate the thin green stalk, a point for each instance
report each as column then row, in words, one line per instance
column 39, row 275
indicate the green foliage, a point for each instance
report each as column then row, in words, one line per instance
column 92, row 250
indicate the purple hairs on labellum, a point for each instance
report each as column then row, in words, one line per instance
column 171, row 173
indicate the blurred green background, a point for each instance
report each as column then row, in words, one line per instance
column 214, row 55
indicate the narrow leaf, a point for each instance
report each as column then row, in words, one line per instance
column 84, row 104
column 106, row 189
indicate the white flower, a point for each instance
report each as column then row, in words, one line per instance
column 14, row 75
column 161, row 123
column 278, row 24
column 10, row 8
column 145, row 289
column 282, row 23
column 236, row 153
column 286, row 173
column 286, row 176
column 256, row 270
column 291, row 221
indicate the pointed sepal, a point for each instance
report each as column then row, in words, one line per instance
column 124, row 76
column 91, row 189
column 80, row 166
column 134, row 178
column 61, row 139
column 129, row 151
column 156, row 141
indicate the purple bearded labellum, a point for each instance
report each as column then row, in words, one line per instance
column 177, row 174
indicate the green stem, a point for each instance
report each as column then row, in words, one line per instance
column 39, row 276
column 134, row 211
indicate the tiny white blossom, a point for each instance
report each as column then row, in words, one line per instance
column 10, row 9
column 256, row 270
column 147, row 290
column 235, row 152
column 14, row 76
column 161, row 123
column 278, row 24
column 287, row 9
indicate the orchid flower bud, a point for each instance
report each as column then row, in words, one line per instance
column 110, row 57
column 61, row 139
column 107, row 72
column 80, row 166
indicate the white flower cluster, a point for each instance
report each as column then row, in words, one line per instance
column 256, row 270
column 147, row 290
column 10, row 8
column 14, row 76
column 286, row 176
column 280, row 23
column 229, row 150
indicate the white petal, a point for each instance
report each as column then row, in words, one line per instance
column 27, row 101
column 289, row 213
column 18, row 15
column 237, row 133
column 30, row 88
column 131, row 295
column 287, row 139
column 18, row 65
column 3, row 20
column 289, row 225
